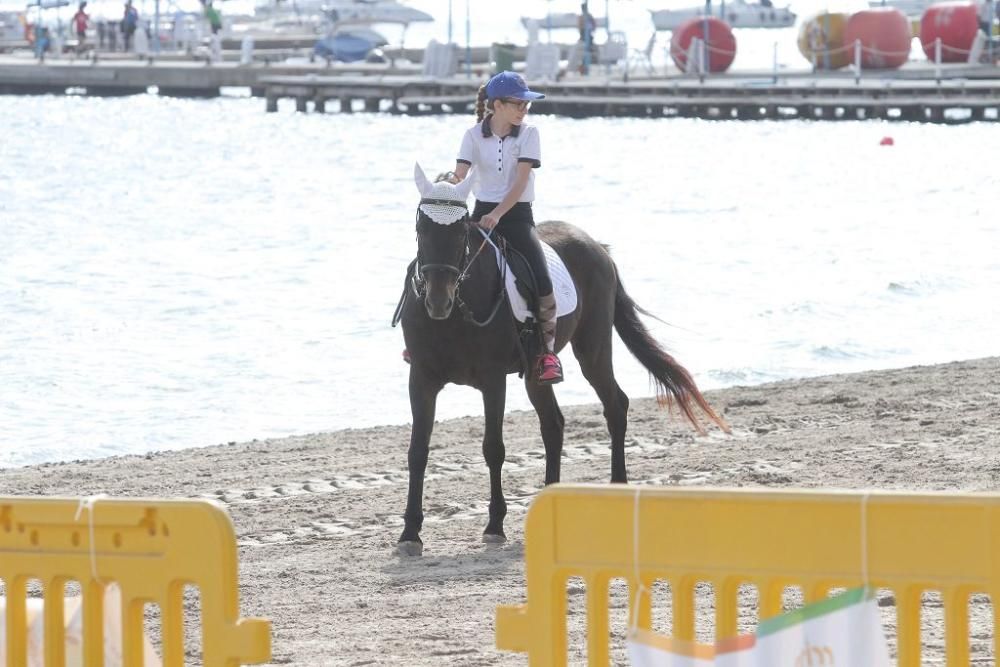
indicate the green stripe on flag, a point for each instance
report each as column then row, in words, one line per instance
column 809, row 612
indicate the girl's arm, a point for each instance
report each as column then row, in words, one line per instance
column 490, row 220
column 461, row 171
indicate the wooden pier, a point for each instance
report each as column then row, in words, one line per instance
column 718, row 98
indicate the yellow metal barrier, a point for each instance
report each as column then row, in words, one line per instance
column 152, row 549
column 769, row 539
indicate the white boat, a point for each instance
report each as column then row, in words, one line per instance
column 913, row 9
column 327, row 18
column 561, row 20
column 374, row 11
column 738, row 14
column 11, row 28
column 349, row 11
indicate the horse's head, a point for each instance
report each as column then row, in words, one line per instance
column 442, row 241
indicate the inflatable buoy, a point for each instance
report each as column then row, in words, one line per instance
column 721, row 44
column 821, row 41
column 885, row 35
column 955, row 24
column 887, row 141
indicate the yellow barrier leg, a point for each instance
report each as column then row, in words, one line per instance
column 55, row 630
column 597, row 621
column 956, row 628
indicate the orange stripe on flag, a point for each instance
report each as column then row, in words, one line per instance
column 733, row 644
column 676, row 646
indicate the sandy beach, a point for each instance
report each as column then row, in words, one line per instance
column 317, row 516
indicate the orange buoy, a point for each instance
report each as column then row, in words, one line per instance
column 821, row 41
column 955, row 24
column 721, row 43
column 887, row 141
column 885, row 35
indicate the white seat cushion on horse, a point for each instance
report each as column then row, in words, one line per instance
column 562, row 284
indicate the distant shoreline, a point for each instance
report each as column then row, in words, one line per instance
column 317, row 516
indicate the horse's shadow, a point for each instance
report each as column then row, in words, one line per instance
column 488, row 560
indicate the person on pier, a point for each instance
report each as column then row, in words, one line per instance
column 130, row 21
column 80, row 21
column 587, row 25
column 213, row 16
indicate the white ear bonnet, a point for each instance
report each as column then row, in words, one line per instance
column 446, row 203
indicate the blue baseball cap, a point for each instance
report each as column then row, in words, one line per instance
column 512, row 85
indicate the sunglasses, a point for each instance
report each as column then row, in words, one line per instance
column 522, row 105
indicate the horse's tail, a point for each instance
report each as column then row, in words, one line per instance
column 673, row 382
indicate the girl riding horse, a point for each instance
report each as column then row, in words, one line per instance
column 505, row 151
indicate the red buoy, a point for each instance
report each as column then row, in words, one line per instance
column 887, row 141
column 721, row 44
column 955, row 24
column 884, row 34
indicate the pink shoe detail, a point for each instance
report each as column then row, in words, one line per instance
column 549, row 369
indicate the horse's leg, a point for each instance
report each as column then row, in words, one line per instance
column 543, row 399
column 494, row 398
column 423, row 399
column 595, row 362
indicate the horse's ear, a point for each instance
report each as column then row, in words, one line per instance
column 424, row 186
column 463, row 188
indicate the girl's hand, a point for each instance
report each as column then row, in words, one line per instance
column 488, row 222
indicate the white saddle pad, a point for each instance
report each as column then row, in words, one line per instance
column 562, row 285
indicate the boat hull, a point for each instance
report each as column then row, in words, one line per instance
column 739, row 15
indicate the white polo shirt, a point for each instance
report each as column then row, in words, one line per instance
column 495, row 159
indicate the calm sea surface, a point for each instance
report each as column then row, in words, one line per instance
column 178, row 273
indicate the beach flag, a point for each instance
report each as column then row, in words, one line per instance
column 842, row 630
column 73, row 622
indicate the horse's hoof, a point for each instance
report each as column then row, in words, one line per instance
column 410, row 548
column 489, row 538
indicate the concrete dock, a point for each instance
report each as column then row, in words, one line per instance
column 914, row 93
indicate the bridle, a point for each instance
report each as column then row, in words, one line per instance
column 418, row 283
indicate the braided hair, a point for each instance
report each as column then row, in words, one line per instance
column 483, row 104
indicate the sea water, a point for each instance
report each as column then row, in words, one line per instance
column 177, row 273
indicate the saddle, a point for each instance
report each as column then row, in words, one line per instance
column 524, row 277
column 522, row 288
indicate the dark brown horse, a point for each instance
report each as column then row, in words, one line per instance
column 458, row 329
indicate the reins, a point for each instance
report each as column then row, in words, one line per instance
column 465, row 271
column 501, row 292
